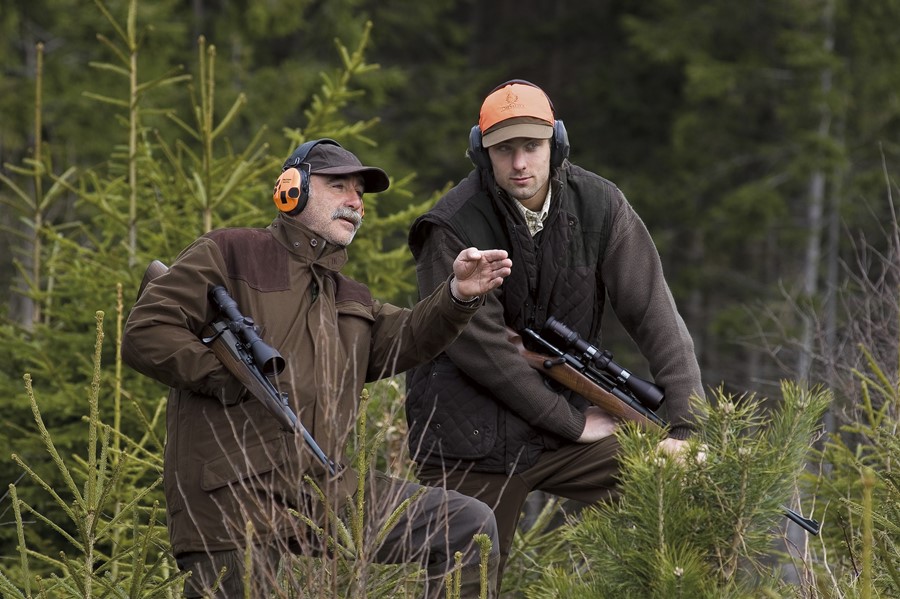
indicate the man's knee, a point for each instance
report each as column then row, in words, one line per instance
column 473, row 517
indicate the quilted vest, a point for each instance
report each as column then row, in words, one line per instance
column 556, row 273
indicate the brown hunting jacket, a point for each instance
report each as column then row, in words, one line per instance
column 227, row 465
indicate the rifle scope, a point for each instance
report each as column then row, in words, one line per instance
column 267, row 358
column 650, row 395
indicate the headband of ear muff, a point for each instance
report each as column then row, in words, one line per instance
column 291, row 192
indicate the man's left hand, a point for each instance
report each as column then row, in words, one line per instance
column 674, row 448
column 475, row 272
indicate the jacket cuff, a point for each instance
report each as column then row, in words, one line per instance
column 681, row 432
column 576, row 427
column 475, row 302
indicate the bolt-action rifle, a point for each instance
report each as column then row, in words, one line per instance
column 589, row 372
column 234, row 340
column 561, row 355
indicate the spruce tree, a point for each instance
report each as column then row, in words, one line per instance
column 701, row 526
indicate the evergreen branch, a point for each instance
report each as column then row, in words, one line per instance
column 232, row 113
column 361, row 470
column 740, row 524
column 106, row 99
column 200, row 194
column 20, row 531
column 59, row 187
column 77, row 544
column 32, row 168
column 888, row 555
column 140, row 551
column 94, row 410
column 343, row 534
column 113, row 48
column 878, row 372
column 162, row 81
column 112, row 21
column 117, row 390
column 9, row 589
column 18, row 191
column 322, row 534
column 105, row 490
column 248, row 559
column 82, row 583
column 184, row 127
column 51, row 449
column 134, row 446
column 874, row 417
column 134, row 502
column 392, row 520
column 237, row 176
column 484, row 545
column 105, row 66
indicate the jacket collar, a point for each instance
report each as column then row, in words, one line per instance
column 307, row 245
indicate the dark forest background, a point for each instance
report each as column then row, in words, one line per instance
column 758, row 140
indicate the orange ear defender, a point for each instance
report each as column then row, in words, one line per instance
column 288, row 190
column 292, row 187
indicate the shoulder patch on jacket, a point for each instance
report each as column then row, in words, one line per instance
column 253, row 256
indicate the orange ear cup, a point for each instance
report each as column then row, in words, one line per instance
column 288, row 189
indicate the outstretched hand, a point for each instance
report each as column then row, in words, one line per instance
column 475, row 272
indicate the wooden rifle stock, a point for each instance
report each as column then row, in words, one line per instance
column 155, row 269
column 239, row 362
column 569, row 377
column 223, row 342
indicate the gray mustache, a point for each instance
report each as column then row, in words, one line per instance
column 347, row 214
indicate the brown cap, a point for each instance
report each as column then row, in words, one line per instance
column 515, row 110
column 330, row 159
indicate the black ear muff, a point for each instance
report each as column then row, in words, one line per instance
column 477, row 152
column 291, row 192
column 559, row 143
column 559, row 150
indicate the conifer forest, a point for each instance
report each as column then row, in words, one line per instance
column 758, row 141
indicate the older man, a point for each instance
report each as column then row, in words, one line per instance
column 233, row 478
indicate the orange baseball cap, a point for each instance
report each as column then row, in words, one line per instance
column 515, row 110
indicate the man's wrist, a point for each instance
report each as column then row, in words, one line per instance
column 459, row 300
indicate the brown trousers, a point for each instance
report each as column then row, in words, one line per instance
column 583, row 472
column 430, row 532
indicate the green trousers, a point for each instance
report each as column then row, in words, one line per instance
column 437, row 525
column 583, row 472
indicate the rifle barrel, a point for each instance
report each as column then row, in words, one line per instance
column 808, row 524
column 628, row 407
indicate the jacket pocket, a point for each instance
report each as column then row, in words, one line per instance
column 244, row 463
column 450, row 415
